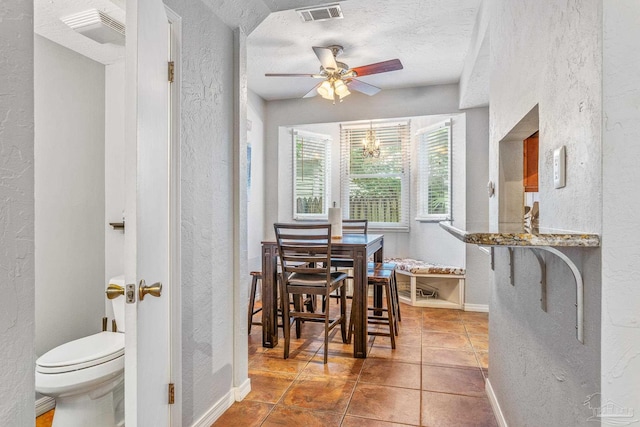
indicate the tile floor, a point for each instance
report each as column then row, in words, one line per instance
column 434, row 377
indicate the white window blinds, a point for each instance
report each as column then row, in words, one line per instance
column 434, row 172
column 311, row 168
column 376, row 188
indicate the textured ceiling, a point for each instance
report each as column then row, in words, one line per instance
column 47, row 14
column 430, row 37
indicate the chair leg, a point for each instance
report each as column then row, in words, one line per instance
column 252, row 300
column 326, row 331
column 343, row 313
column 395, row 291
column 392, row 328
column 298, row 303
column 286, row 322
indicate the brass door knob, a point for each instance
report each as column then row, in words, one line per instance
column 154, row 290
column 114, row 291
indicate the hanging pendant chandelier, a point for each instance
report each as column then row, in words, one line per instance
column 371, row 144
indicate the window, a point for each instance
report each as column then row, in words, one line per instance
column 434, row 172
column 311, row 168
column 376, row 188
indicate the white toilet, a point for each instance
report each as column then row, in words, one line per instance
column 86, row 376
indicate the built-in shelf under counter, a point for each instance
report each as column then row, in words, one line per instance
column 513, row 236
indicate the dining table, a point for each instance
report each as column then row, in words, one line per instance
column 359, row 248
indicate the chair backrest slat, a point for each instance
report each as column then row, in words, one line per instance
column 304, row 248
column 354, row 226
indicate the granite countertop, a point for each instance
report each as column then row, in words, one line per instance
column 515, row 235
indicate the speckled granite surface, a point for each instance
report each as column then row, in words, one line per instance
column 512, row 235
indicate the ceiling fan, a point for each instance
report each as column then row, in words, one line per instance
column 339, row 78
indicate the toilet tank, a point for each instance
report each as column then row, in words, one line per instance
column 118, row 303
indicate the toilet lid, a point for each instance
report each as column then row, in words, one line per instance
column 82, row 353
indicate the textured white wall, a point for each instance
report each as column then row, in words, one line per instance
column 17, row 269
column 477, row 282
column 69, row 193
column 621, row 221
column 548, row 53
column 424, row 101
column 255, row 201
column 207, row 107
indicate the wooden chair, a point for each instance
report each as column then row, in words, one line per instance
column 305, row 258
column 395, row 299
column 379, row 277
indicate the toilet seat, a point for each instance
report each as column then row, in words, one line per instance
column 82, row 353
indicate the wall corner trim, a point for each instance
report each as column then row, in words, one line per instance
column 483, row 308
column 210, row 417
column 243, row 390
column 497, row 412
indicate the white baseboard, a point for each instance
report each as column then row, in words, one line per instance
column 215, row 411
column 495, row 405
column 44, row 404
column 235, row 394
column 483, row 308
column 242, row 391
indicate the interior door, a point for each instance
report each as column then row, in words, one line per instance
column 147, row 361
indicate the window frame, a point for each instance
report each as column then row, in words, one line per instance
column 405, row 176
column 422, row 185
column 327, row 140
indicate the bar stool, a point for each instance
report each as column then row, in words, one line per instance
column 379, row 277
column 394, row 286
column 255, row 276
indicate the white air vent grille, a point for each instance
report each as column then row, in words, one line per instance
column 96, row 25
column 320, row 13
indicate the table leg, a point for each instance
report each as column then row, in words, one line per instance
column 269, row 296
column 359, row 306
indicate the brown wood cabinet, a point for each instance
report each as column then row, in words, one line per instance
column 530, row 164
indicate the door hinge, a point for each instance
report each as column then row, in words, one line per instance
column 172, row 394
column 171, row 69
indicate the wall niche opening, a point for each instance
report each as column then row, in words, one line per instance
column 518, row 180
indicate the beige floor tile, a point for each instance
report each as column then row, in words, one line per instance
column 319, row 393
column 450, row 410
column 399, row 405
column 285, row 416
column 391, row 373
column 446, row 340
column 244, row 414
column 479, row 342
column 269, row 386
column 467, row 381
column 447, row 357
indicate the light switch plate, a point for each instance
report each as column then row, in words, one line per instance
column 559, row 167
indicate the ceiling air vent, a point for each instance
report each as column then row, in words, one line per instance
column 320, row 13
column 96, row 25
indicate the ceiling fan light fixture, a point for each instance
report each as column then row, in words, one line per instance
column 326, row 90
column 341, row 89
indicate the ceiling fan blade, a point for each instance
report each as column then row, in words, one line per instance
column 313, row 92
column 378, row 67
column 325, row 55
column 317, row 76
column 363, row 87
